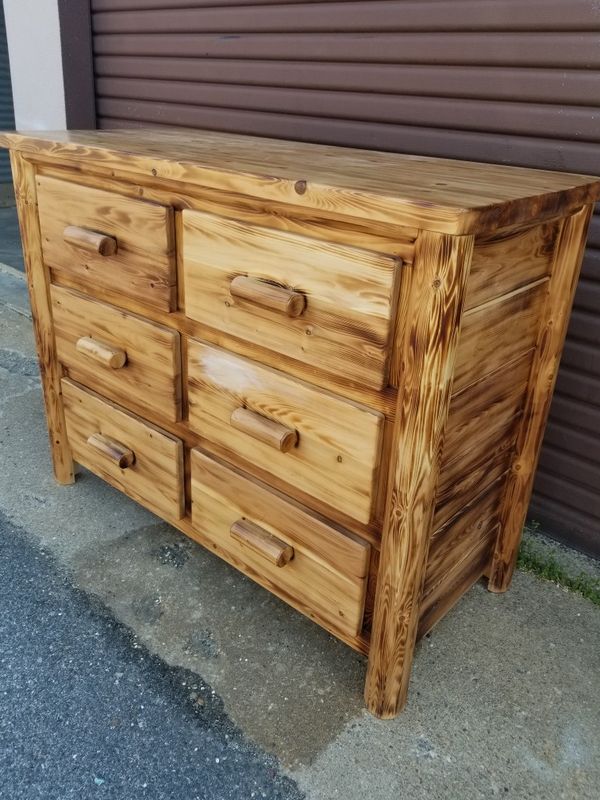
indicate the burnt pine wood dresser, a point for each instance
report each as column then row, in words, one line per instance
column 332, row 367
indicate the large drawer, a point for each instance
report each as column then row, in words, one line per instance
column 127, row 452
column 316, row 442
column 326, row 305
column 110, row 241
column 117, row 353
column 318, row 569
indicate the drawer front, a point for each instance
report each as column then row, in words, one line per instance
column 314, row 441
column 119, row 354
column 327, row 305
column 108, row 240
column 318, row 569
column 124, row 450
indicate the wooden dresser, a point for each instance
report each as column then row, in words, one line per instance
column 332, row 367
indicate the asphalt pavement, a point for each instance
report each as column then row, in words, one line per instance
column 87, row 712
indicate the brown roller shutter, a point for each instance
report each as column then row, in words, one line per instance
column 516, row 81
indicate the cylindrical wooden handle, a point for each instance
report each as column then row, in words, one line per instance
column 268, row 295
column 106, row 354
column 118, row 453
column 92, row 241
column 264, row 429
column 262, row 542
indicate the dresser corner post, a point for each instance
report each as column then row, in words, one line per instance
column 568, row 255
column 39, row 296
column 432, row 309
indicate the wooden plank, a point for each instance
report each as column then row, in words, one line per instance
column 143, row 264
column 326, row 579
column 487, row 340
column 325, row 224
column 505, row 262
column 455, row 540
column 349, row 294
column 459, row 580
column 447, row 195
column 552, row 328
column 152, row 367
column 39, row 297
column 338, row 442
column 383, row 401
column 437, row 294
column 480, row 411
column 155, row 477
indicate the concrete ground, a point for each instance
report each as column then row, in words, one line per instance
column 105, row 609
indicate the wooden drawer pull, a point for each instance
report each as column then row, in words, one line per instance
column 262, row 542
column 264, row 429
column 268, row 295
column 106, row 354
column 118, row 453
column 92, row 241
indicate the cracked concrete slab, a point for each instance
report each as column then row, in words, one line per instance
column 504, row 693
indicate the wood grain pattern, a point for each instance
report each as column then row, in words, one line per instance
column 328, row 387
column 506, row 261
column 262, row 542
column 487, row 340
column 445, row 195
column 381, row 400
column 368, row 234
column 326, row 579
column 121, row 455
column 143, row 264
column 39, row 298
column 154, row 478
column 479, row 438
column 480, row 413
column 337, row 454
column 89, row 240
column 453, row 541
column 350, row 294
column 437, row 295
column 268, row 295
column 104, row 354
column 281, row 437
column 552, row 329
column 152, row 369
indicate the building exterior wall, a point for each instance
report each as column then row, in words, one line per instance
column 512, row 81
column 35, row 63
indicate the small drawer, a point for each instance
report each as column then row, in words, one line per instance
column 109, row 241
column 118, row 354
column 127, row 452
column 313, row 440
column 316, row 568
column 326, row 305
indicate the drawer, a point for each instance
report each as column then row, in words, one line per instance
column 119, row 354
column 326, row 305
column 127, row 452
column 109, row 241
column 316, row 442
column 316, row 568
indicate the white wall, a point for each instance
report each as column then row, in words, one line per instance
column 33, row 33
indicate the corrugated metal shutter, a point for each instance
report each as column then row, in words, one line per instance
column 7, row 118
column 515, row 81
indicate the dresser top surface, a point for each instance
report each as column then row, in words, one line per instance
column 446, row 195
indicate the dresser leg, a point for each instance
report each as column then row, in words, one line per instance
column 39, row 296
column 568, row 255
column 432, row 307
